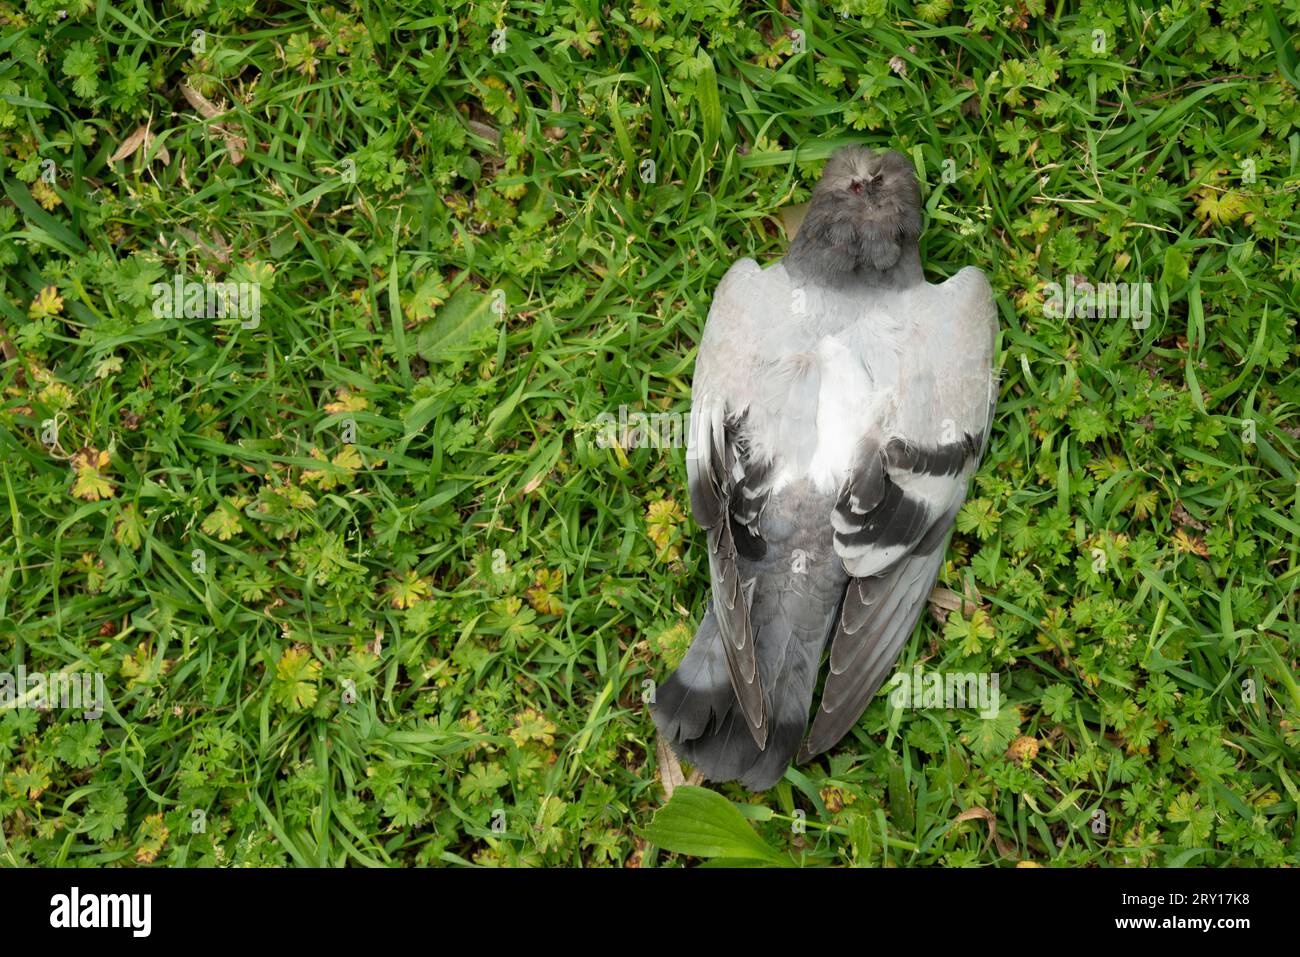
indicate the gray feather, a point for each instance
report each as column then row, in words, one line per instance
column 798, row 585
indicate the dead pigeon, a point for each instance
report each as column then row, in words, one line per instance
column 840, row 405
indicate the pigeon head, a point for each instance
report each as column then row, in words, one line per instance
column 864, row 215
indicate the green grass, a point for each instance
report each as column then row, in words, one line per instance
column 497, row 587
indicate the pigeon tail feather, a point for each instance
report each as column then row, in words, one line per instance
column 697, row 712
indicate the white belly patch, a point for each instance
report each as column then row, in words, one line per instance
column 848, row 404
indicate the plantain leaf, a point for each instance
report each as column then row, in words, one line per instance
column 702, row 823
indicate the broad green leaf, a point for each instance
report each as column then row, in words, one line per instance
column 460, row 326
column 702, row 823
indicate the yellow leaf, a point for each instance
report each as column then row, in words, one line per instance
column 409, row 590
column 223, row 523
column 346, row 401
column 153, row 836
column 1190, row 543
column 48, row 302
column 1219, row 206
column 662, row 519
column 540, row 597
column 349, row 458
column 91, row 484
column 45, row 195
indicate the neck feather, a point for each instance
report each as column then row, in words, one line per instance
column 885, row 264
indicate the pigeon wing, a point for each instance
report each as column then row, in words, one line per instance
column 728, row 483
column 896, row 510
